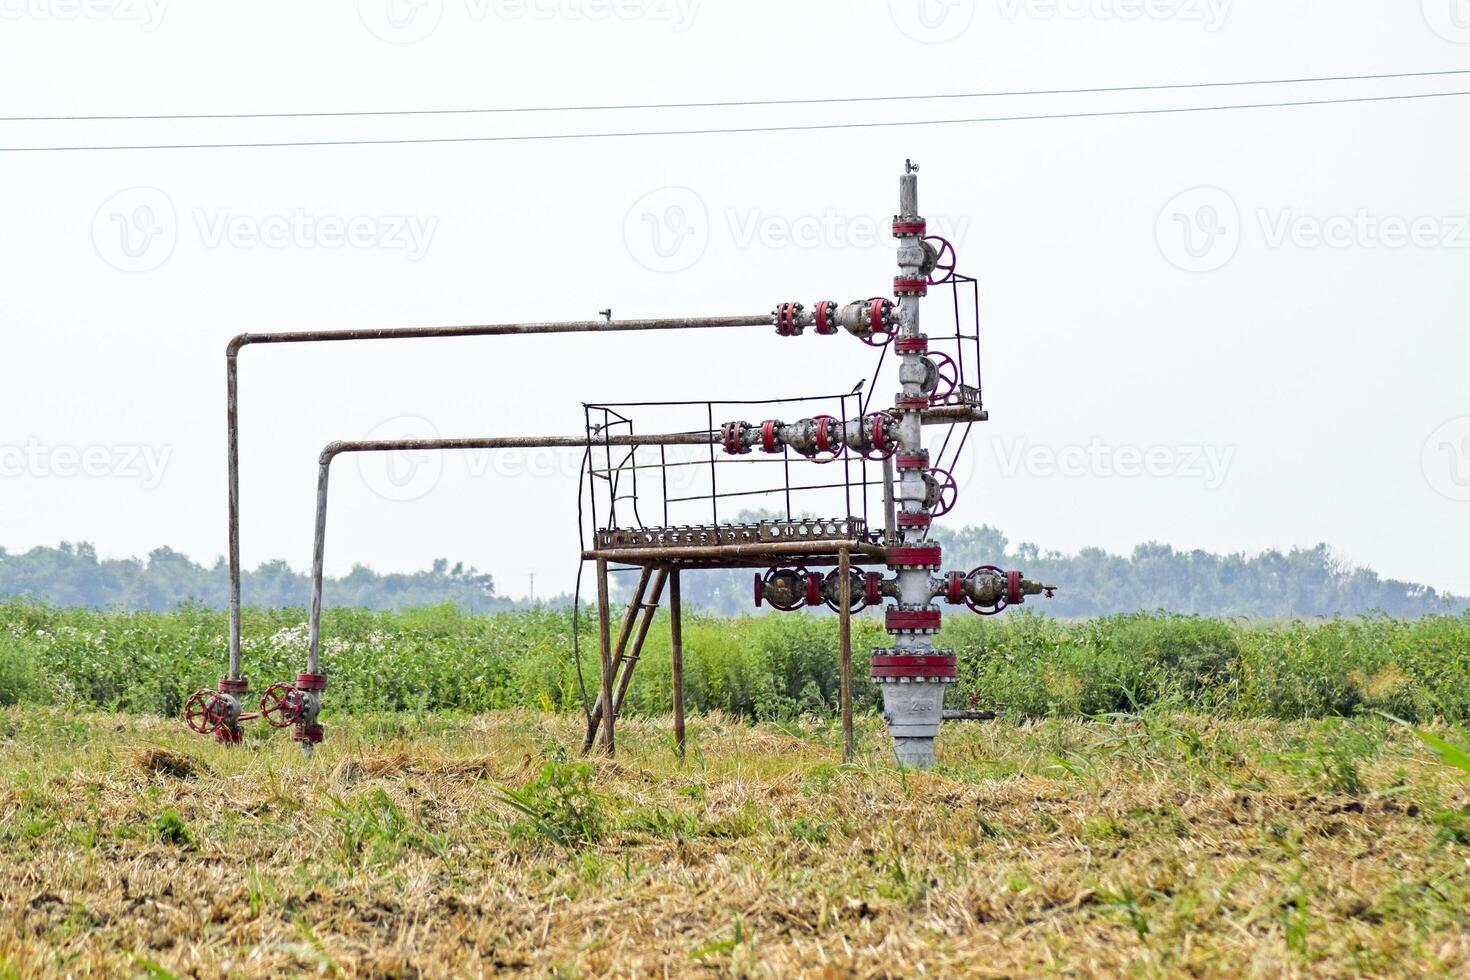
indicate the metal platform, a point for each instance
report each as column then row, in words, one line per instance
column 812, row 541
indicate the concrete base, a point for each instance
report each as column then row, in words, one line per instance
column 914, row 753
column 914, row 711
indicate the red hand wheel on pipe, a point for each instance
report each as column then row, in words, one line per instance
column 824, row 443
column 946, row 377
column 944, row 490
column 795, row 580
column 206, row 711
column 879, row 448
column 944, row 260
column 1000, row 603
column 878, row 307
column 857, row 591
column 281, row 704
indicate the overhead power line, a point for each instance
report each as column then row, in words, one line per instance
column 813, row 127
column 740, row 103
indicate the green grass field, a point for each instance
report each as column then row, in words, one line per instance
column 762, row 668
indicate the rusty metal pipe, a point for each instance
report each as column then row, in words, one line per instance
column 232, row 396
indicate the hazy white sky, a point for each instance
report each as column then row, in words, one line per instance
column 1229, row 331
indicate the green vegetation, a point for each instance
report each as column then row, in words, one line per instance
column 756, row 667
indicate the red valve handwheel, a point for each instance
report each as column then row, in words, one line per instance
column 857, row 592
column 281, row 704
column 821, row 438
column 879, row 448
column 1000, row 604
column 945, row 370
column 205, row 711
column 799, row 597
column 944, row 260
column 949, row 492
column 875, row 323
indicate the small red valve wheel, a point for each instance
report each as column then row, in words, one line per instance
column 880, row 447
column 206, row 711
column 944, row 260
column 281, row 704
column 943, row 491
column 857, row 592
column 791, row 583
column 879, row 308
column 1000, row 603
column 946, row 377
column 825, row 441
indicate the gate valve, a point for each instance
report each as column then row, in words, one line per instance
column 943, row 377
column 734, row 437
column 989, row 590
column 940, row 260
column 206, row 712
column 281, row 704
column 861, row 589
column 786, row 589
column 941, row 492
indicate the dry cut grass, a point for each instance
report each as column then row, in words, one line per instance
column 1160, row 845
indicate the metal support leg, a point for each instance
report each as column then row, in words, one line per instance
column 634, row 606
column 604, row 650
column 630, row 661
column 844, row 649
column 676, row 641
